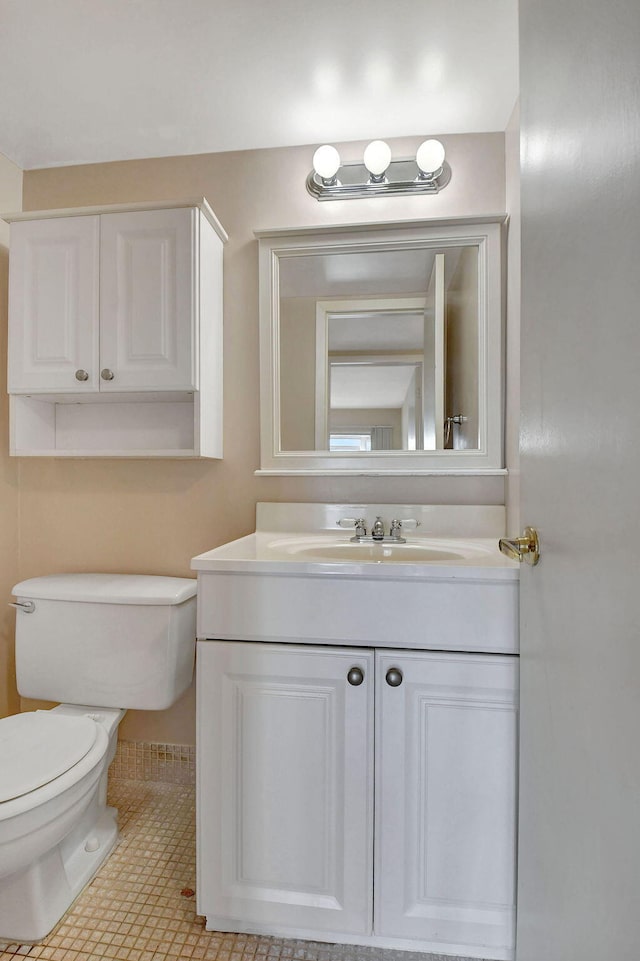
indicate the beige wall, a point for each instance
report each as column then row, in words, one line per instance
column 369, row 417
column 298, row 373
column 10, row 200
column 135, row 516
column 462, row 350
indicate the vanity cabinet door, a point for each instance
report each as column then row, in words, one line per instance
column 285, row 788
column 446, row 799
column 53, row 305
column 148, row 300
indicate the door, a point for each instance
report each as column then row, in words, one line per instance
column 446, row 800
column 579, row 851
column 433, row 366
column 285, row 789
column 53, row 314
column 148, row 300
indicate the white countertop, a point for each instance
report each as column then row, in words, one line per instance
column 280, row 552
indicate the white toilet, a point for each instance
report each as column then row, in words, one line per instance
column 99, row 643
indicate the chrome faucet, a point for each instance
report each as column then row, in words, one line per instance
column 377, row 535
column 377, row 531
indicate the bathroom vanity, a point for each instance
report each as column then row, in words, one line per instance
column 357, row 731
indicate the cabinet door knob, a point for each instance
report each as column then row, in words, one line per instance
column 355, row 676
column 393, row 677
column 107, row 374
column 82, row 375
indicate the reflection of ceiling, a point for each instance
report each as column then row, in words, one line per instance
column 362, row 274
column 327, row 275
column 376, row 331
column 86, row 82
column 368, row 386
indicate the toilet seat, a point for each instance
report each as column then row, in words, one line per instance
column 38, row 746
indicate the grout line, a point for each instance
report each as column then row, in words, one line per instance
column 141, row 904
column 154, row 761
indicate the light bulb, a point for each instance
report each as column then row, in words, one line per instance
column 377, row 157
column 430, row 157
column 326, row 162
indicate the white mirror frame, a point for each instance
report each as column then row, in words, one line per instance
column 486, row 234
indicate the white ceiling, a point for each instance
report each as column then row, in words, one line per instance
column 366, row 330
column 371, row 273
column 97, row 80
column 375, row 387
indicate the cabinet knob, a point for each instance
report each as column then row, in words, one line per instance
column 393, row 677
column 107, row 374
column 355, row 676
column 82, row 375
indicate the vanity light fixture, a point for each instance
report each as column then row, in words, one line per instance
column 326, row 163
column 377, row 157
column 378, row 175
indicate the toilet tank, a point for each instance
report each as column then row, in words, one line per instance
column 106, row 640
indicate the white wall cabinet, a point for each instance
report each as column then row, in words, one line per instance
column 115, row 331
column 54, row 288
column 148, row 300
column 287, row 840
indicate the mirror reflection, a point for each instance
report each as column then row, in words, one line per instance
column 379, row 350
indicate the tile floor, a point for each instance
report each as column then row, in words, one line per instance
column 141, row 906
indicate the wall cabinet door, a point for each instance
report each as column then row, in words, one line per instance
column 445, row 799
column 285, row 787
column 53, row 305
column 148, row 300
column 109, row 298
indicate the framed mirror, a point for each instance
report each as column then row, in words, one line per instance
column 381, row 349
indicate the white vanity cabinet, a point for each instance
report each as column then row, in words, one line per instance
column 115, row 331
column 446, row 771
column 358, row 795
column 285, row 787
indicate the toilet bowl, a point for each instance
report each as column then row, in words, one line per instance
column 55, row 830
column 128, row 641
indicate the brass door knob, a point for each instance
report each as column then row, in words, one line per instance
column 525, row 548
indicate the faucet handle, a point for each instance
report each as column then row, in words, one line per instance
column 395, row 530
column 358, row 522
column 410, row 523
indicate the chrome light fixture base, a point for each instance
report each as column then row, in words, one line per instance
column 401, row 177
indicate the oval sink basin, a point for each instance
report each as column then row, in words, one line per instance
column 377, row 553
column 312, row 551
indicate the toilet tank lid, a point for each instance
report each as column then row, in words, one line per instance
column 108, row 588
